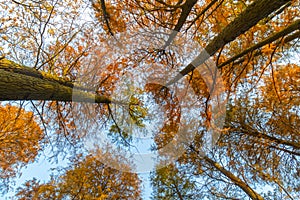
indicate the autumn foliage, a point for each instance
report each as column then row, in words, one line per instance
column 20, row 137
column 84, row 68
column 86, row 178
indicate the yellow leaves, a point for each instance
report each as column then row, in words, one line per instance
column 51, row 31
column 19, row 137
column 268, row 49
column 4, row 37
column 48, row 6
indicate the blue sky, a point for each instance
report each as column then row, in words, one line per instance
column 41, row 170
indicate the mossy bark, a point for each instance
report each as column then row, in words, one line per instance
column 24, row 83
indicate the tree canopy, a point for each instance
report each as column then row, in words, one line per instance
column 213, row 84
column 87, row 178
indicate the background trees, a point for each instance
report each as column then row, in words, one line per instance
column 86, row 178
column 57, row 55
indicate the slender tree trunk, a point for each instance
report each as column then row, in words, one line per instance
column 237, row 181
column 248, row 18
column 178, row 192
column 186, row 9
column 240, row 60
column 294, row 26
column 253, row 133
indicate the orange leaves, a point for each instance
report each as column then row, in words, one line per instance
column 19, row 138
column 69, row 49
column 80, row 48
column 171, row 107
column 110, row 76
column 110, row 16
column 198, row 84
column 282, row 86
column 69, row 38
column 65, row 59
column 116, row 18
column 268, row 49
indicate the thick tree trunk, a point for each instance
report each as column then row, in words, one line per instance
column 248, row 18
column 23, row 83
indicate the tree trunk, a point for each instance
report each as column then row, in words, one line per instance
column 237, row 181
column 294, row 26
column 186, row 9
column 23, row 83
column 248, row 18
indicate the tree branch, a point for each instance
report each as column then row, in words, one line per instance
column 236, row 180
column 258, row 10
column 186, row 9
column 294, row 26
column 106, row 17
column 202, row 12
column 258, row 52
column 249, row 131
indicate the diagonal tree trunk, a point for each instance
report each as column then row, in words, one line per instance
column 249, row 131
column 258, row 52
column 248, row 18
column 294, row 26
column 236, row 180
column 186, row 9
column 24, row 83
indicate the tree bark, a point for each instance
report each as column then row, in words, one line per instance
column 248, row 18
column 186, row 9
column 24, row 83
column 237, row 181
column 287, row 39
column 294, row 26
